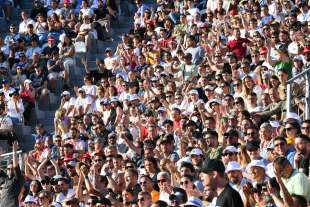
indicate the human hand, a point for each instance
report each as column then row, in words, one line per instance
column 15, row 146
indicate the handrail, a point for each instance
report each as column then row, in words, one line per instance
column 10, row 153
column 298, row 76
column 305, row 73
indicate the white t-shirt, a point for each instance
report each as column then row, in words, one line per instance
column 90, row 90
column 11, row 110
column 61, row 197
column 23, row 25
column 84, row 102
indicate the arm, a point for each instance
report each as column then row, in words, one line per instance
column 40, row 169
column 55, row 166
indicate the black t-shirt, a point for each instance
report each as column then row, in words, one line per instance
column 229, row 198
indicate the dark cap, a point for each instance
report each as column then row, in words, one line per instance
column 231, row 133
column 213, row 165
column 252, row 145
column 167, row 139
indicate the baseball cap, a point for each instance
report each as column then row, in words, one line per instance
column 262, row 51
column 196, row 151
column 230, row 149
column 231, row 133
column 65, row 93
column 233, row 165
column 27, row 81
column 252, row 145
column 108, row 49
column 194, row 91
column 193, row 201
column 306, row 49
column 213, row 165
column 256, row 163
column 5, row 81
column 30, row 199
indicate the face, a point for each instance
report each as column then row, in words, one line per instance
column 280, row 147
column 144, row 201
column 186, row 183
column 145, row 184
column 229, row 156
column 235, row 176
column 207, row 179
column 257, row 173
column 163, row 182
column 290, row 131
column 254, row 154
column 300, row 145
column 305, row 129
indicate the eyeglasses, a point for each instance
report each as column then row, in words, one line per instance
column 185, row 182
column 229, row 154
column 162, row 181
column 289, row 128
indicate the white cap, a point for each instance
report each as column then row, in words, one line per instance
column 256, row 163
column 30, row 199
column 193, row 201
column 114, row 99
column 274, row 124
column 27, row 81
column 297, row 57
column 183, row 159
column 196, row 151
column 66, row 135
column 194, row 91
column 292, row 115
column 230, row 149
column 65, row 93
column 233, row 165
column 133, row 97
column 81, row 89
column 162, row 109
column 56, row 204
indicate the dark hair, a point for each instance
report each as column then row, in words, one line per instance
column 280, row 138
column 161, row 203
column 188, row 165
column 300, row 201
column 213, row 133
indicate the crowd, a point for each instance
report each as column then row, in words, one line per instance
column 188, row 110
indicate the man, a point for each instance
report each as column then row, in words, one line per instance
column 281, row 149
column 238, row 44
column 26, row 21
column 235, row 177
column 11, row 182
column 253, row 150
column 231, row 138
column 165, row 187
column 257, row 169
column 214, row 149
column 305, row 127
column 166, row 146
column 229, row 154
column 302, row 155
column 188, row 69
column 196, row 51
column 295, row 182
column 144, row 199
column 213, row 174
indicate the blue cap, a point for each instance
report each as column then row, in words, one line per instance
column 4, row 81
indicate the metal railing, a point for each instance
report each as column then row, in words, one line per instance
column 7, row 157
column 306, row 74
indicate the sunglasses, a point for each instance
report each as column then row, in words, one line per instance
column 140, row 199
column 229, row 154
column 289, row 128
column 162, row 181
column 185, row 182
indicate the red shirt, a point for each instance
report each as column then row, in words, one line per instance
column 236, row 46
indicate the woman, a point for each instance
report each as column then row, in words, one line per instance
column 86, row 32
column 151, row 168
column 292, row 130
column 66, row 52
column 243, row 157
column 187, row 184
column 61, row 122
column 239, row 105
column 28, row 96
column 15, row 108
column 41, row 28
column 45, row 198
column 89, row 88
column 248, row 87
column 34, row 189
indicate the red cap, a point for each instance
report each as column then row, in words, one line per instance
column 233, row 12
column 263, row 51
column 67, row 2
column 306, row 49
